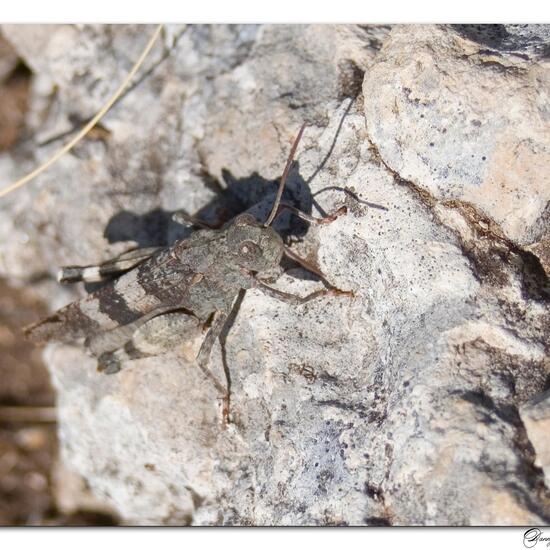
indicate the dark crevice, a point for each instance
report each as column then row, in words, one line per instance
column 350, row 80
column 376, row 494
column 532, row 474
column 20, row 73
column 521, row 39
column 377, row 521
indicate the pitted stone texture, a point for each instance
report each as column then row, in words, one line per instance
column 465, row 122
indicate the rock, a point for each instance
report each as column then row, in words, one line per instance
column 8, row 58
column 399, row 406
column 467, row 122
column 73, row 495
column 536, row 417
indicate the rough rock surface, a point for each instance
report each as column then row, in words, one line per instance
column 399, row 406
column 536, row 417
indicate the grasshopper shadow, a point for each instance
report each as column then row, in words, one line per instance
column 253, row 194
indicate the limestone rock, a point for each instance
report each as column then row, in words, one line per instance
column 466, row 121
column 398, row 406
column 536, row 417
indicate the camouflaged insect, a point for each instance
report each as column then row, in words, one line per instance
column 165, row 294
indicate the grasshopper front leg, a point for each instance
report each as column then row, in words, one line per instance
column 325, row 220
column 218, row 322
column 298, row 300
column 329, row 218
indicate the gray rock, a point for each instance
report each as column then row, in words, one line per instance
column 535, row 414
column 399, row 406
column 465, row 123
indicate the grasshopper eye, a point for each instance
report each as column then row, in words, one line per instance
column 249, row 249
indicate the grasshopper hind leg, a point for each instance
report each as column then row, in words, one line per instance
column 109, row 363
column 107, row 270
column 163, row 334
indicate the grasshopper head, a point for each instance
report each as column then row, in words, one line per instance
column 253, row 246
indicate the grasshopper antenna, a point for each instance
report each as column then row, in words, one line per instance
column 275, row 208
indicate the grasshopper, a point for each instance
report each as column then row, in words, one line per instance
column 155, row 296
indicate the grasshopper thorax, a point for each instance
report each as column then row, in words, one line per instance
column 253, row 246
